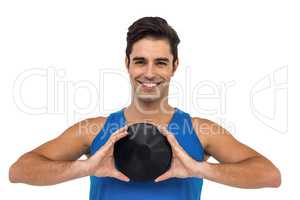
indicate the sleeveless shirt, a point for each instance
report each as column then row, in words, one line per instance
column 107, row 188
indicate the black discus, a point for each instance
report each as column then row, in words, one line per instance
column 144, row 154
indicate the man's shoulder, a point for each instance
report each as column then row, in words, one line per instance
column 203, row 128
column 96, row 120
column 207, row 127
column 92, row 126
column 201, row 123
column 93, row 122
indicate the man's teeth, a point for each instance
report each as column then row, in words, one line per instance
column 149, row 84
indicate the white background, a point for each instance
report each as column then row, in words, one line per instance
column 78, row 48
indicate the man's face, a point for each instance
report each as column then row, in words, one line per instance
column 151, row 68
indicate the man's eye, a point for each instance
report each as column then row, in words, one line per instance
column 139, row 62
column 161, row 63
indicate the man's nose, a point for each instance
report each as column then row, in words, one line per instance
column 149, row 73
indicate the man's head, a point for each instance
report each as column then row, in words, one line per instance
column 151, row 57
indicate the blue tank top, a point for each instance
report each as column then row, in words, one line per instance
column 106, row 188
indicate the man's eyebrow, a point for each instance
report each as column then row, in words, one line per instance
column 138, row 58
column 162, row 59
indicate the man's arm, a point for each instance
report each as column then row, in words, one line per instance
column 240, row 166
column 34, row 169
column 57, row 161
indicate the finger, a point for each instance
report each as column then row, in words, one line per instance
column 110, row 143
column 113, row 139
column 119, row 175
column 163, row 130
column 164, row 176
column 118, row 135
column 170, row 137
column 177, row 149
column 124, row 128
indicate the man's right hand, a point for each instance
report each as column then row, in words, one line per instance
column 102, row 163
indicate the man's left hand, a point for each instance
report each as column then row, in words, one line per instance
column 182, row 165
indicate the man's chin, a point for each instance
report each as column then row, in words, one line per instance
column 148, row 97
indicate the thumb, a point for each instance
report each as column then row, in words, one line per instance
column 164, row 176
column 119, row 175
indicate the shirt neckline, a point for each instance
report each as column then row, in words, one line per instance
column 170, row 122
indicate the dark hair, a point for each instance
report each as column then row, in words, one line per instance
column 155, row 27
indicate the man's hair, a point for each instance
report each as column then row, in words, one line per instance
column 154, row 27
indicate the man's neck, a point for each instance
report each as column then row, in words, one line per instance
column 153, row 111
column 148, row 108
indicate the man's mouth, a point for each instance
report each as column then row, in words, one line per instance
column 149, row 84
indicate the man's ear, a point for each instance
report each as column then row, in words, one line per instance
column 126, row 63
column 175, row 66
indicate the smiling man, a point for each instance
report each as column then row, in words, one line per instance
column 151, row 61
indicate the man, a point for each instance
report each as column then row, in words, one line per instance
column 151, row 61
